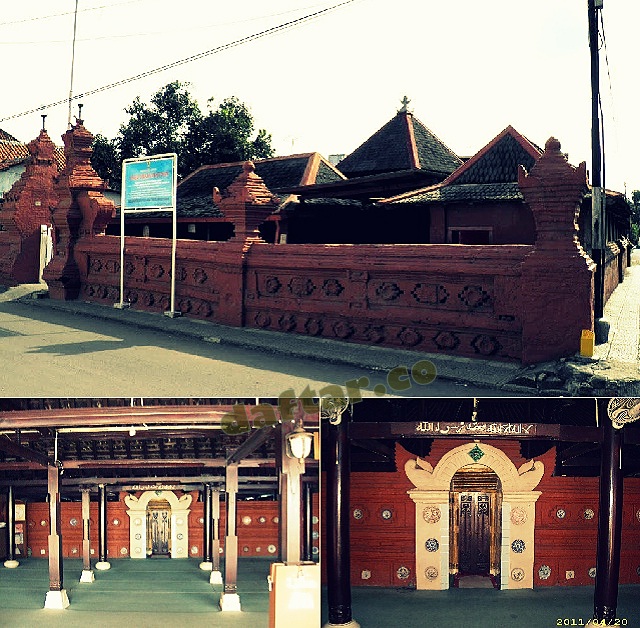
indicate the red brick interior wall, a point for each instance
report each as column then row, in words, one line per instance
column 381, row 546
column 257, row 528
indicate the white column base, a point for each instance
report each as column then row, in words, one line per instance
column 103, row 566
column 216, row 577
column 230, row 602
column 11, row 564
column 56, row 600
column 206, row 566
column 87, row 576
column 351, row 624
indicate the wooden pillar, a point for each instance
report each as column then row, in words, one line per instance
column 230, row 600
column 11, row 562
column 337, row 465
column 102, row 564
column 291, row 470
column 56, row 596
column 609, row 525
column 307, row 553
column 206, row 564
column 87, row 572
column 216, row 575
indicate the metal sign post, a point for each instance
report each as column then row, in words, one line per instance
column 149, row 185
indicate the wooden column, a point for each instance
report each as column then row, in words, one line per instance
column 291, row 471
column 337, row 464
column 216, row 576
column 87, row 572
column 230, row 600
column 11, row 562
column 103, row 563
column 307, row 553
column 609, row 525
column 56, row 596
column 206, row 564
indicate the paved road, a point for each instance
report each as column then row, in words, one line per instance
column 50, row 353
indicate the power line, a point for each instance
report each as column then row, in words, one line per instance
column 238, row 42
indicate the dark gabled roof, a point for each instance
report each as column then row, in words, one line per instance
column 498, row 161
column 490, row 175
column 403, row 143
column 195, row 192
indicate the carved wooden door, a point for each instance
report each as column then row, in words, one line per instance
column 158, row 522
column 475, row 532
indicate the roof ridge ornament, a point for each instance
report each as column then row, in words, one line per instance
column 405, row 105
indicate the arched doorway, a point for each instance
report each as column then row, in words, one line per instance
column 146, row 511
column 475, row 507
column 432, row 498
column 159, row 528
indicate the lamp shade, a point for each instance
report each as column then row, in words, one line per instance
column 299, row 443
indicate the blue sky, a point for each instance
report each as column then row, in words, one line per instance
column 470, row 68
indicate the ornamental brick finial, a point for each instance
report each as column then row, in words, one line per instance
column 248, row 167
column 405, row 105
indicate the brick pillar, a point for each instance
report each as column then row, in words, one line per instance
column 27, row 205
column 247, row 202
column 82, row 211
column 557, row 296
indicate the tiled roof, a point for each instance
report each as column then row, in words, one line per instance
column 5, row 137
column 465, row 192
column 403, row 143
column 491, row 174
column 498, row 161
column 195, row 192
column 13, row 152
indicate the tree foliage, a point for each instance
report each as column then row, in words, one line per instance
column 173, row 123
column 635, row 216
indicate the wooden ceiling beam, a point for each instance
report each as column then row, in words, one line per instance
column 26, row 453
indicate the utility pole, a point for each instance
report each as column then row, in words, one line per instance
column 598, row 223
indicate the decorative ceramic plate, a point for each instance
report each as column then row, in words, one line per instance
column 246, row 520
column 386, row 514
column 517, row 574
column 518, row 546
column 560, row 513
column 431, row 573
column 271, row 549
column 432, row 545
column 592, row 572
column 588, row 513
column 403, row 573
column 431, row 514
column 357, row 513
column 73, row 522
column 544, row 572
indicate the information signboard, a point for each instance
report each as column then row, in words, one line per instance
column 149, row 184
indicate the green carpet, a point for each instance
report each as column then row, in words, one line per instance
column 544, row 607
column 133, row 593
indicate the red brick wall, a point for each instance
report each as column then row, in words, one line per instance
column 257, row 528
column 381, row 546
column 434, row 298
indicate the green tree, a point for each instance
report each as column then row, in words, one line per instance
column 173, row 123
column 635, row 216
column 106, row 160
column 225, row 134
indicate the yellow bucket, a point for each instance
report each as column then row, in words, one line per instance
column 587, row 342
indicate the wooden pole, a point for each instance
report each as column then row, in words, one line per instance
column 609, row 525
column 229, row 600
column 307, row 553
column 56, row 597
column 103, row 562
column 337, row 465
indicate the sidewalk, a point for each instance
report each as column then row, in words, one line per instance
column 613, row 371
